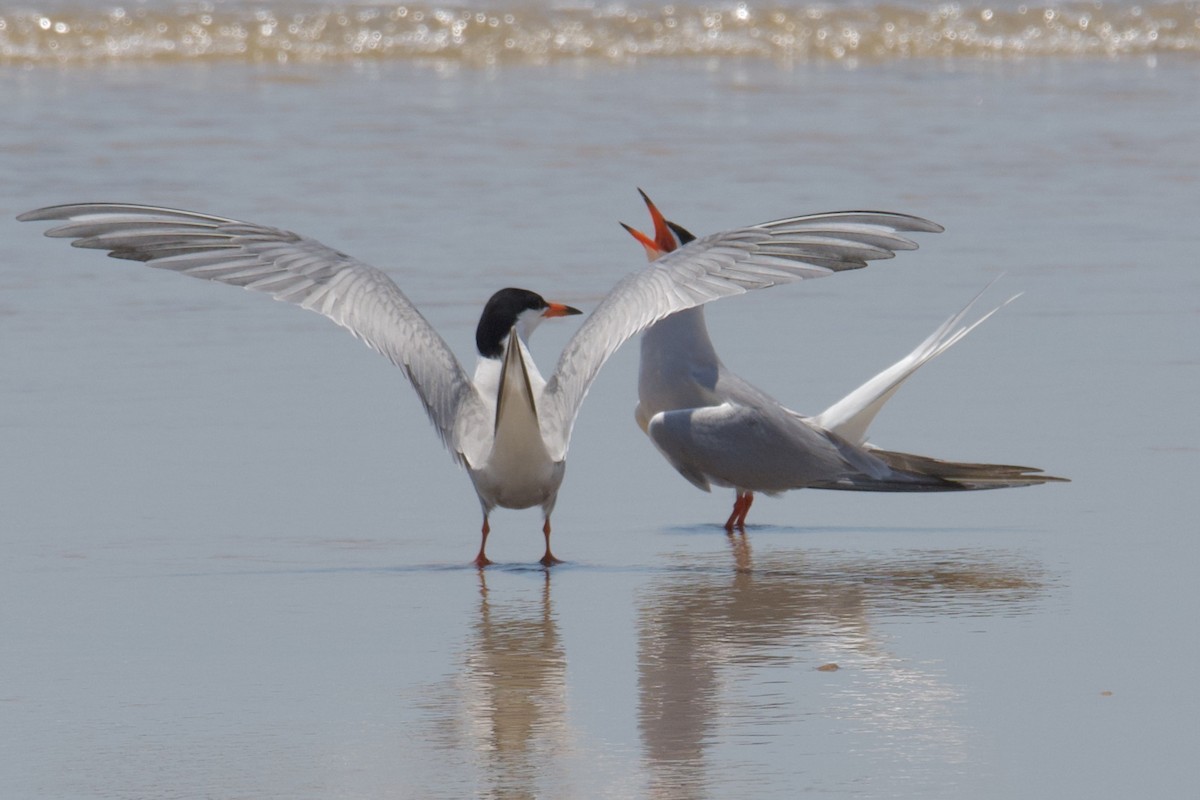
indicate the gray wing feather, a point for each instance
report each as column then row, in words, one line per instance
column 297, row 270
column 716, row 266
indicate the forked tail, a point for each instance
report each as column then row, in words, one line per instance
column 850, row 417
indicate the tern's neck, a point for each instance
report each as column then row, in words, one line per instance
column 679, row 342
column 679, row 367
column 487, row 375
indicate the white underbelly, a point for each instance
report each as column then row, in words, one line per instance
column 519, row 480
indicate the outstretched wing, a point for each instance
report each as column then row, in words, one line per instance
column 720, row 265
column 298, row 270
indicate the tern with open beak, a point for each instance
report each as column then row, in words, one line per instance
column 717, row 429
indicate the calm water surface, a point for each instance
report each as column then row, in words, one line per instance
column 235, row 555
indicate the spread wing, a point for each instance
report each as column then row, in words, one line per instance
column 720, row 265
column 301, row 271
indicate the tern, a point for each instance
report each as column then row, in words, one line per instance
column 717, row 429
column 508, row 426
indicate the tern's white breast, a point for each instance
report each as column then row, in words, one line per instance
column 519, row 472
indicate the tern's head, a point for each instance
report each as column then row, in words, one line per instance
column 513, row 308
column 667, row 235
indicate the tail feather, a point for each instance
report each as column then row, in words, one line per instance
column 913, row 473
column 961, row 474
column 853, row 414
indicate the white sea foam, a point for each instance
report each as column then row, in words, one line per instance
column 525, row 31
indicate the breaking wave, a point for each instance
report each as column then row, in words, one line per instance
column 495, row 32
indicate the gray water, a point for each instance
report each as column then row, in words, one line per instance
column 235, row 558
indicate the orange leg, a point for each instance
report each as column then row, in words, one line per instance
column 482, row 560
column 749, row 501
column 741, row 506
column 737, row 502
column 548, row 560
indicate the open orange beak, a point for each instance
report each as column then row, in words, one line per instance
column 652, row 251
column 559, row 310
column 664, row 240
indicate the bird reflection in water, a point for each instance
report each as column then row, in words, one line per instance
column 729, row 646
column 510, row 695
column 743, row 655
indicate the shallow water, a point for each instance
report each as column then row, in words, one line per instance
column 235, row 556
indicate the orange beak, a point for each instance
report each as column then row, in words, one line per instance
column 664, row 239
column 652, row 251
column 559, row 310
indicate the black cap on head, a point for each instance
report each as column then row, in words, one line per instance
column 683, row 233
column 500, row 315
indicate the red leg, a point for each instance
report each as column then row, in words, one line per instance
column 737, row 501
column 548, row 560
column 748, row 501
column 482, row 560
column 741, row 504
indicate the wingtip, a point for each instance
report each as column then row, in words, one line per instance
column 58, row 212
column 922, row 225
column 37, row 214
column 915, row 224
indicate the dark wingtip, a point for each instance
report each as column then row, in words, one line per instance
column 58, row 212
